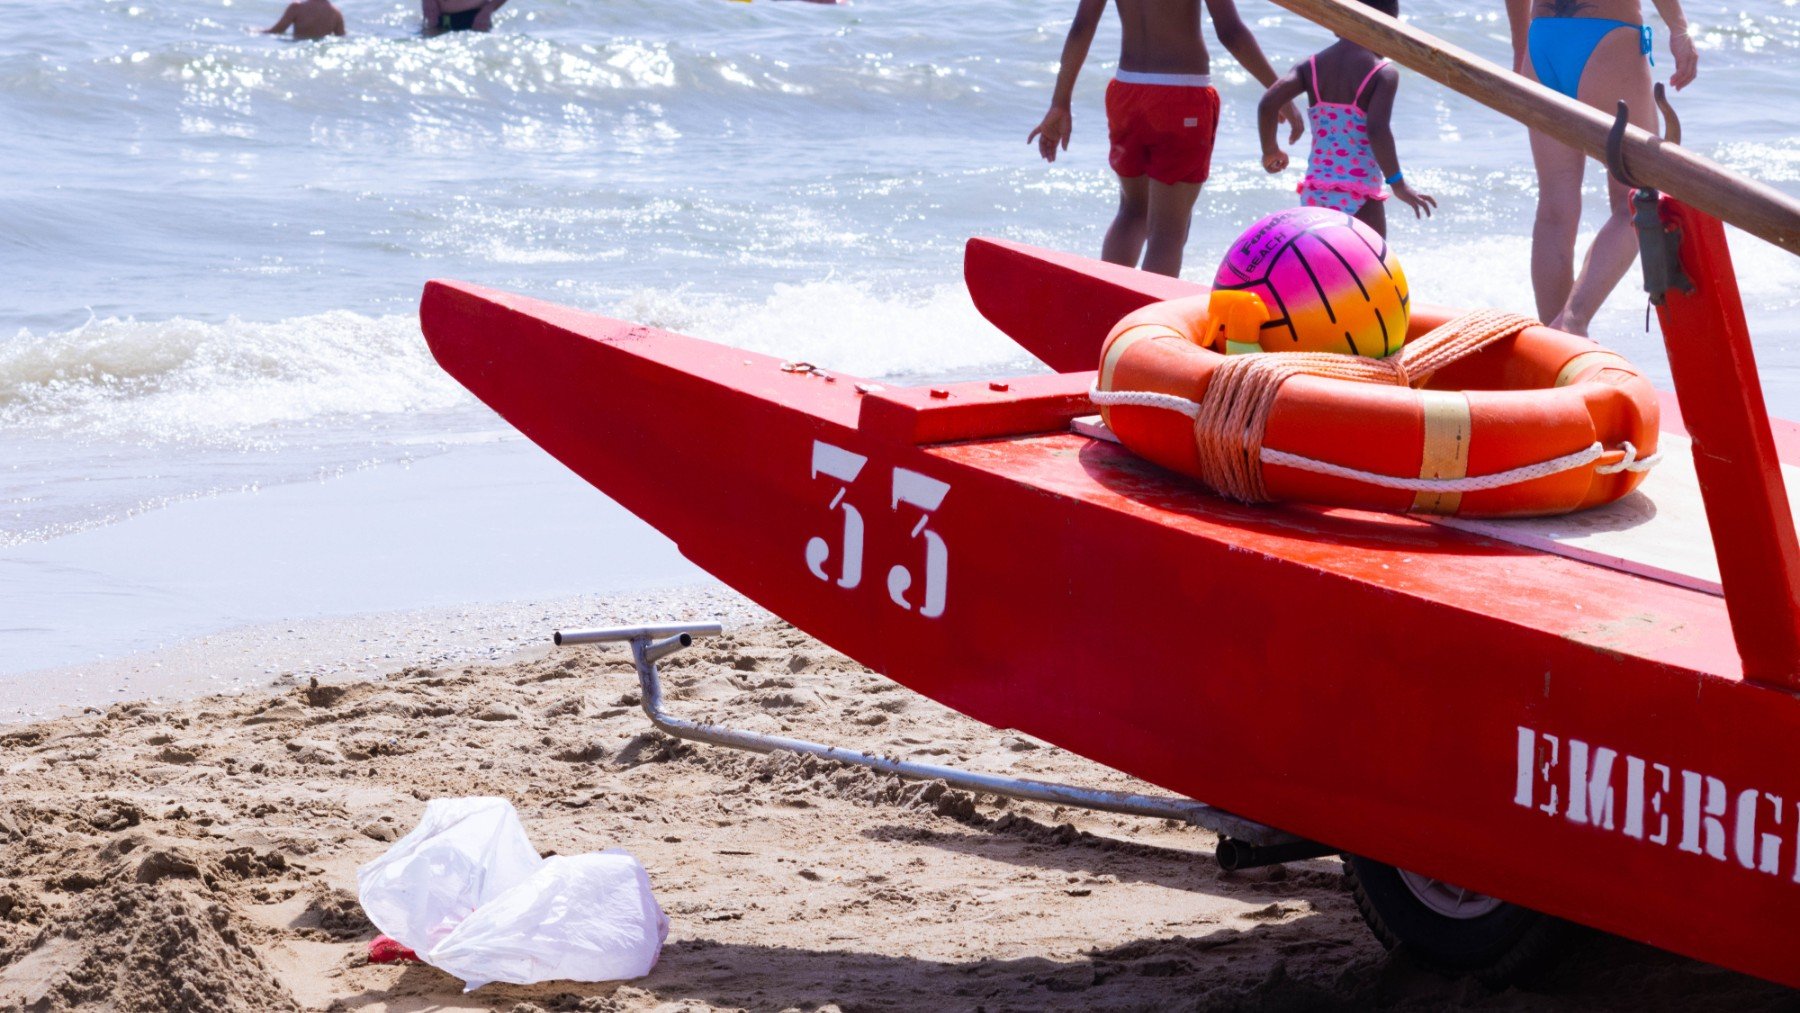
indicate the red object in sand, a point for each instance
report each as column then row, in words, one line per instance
column 1569, row 734
column 388, row 950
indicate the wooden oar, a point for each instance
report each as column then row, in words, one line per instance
column 1754, row 207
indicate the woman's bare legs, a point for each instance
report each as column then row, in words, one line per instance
column 1125, row 236
column 1559, row 171
column 1171, row 211
column 1616, row 71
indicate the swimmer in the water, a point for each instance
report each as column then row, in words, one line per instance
column 460, row 15
column 310, row 19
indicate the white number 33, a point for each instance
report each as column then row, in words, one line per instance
column 910, row 488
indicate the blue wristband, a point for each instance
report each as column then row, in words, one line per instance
column 1396, row 178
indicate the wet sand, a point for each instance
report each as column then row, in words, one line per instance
column 492, row 519
column 202, row 855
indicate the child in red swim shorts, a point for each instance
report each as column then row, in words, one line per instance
column 1162, row 114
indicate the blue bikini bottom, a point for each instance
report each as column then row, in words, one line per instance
column 1560, row 47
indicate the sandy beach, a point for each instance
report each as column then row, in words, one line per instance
column 201, row 856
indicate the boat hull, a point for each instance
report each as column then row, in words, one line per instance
column 1570, row 738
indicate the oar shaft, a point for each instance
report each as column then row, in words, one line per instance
column 1755, row 207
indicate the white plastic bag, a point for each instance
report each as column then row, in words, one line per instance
column 464, row 853
column 579, row 918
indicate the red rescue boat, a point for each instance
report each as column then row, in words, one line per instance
column 1599, row 739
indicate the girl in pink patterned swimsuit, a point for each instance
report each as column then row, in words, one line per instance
column 1353, row 145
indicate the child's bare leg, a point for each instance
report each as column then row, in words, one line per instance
column 1559, row 170
column 1171, row 211
column 1373, row 213
column 1125, row 237
column 1616, row 70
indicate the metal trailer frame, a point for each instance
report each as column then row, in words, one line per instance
column 1243, row 843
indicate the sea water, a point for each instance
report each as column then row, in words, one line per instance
column 212, row 242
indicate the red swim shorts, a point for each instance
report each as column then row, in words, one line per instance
column 1162, row 131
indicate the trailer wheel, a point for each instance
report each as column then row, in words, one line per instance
column 1450, row 929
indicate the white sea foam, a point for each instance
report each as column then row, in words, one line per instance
column 842, row 326
column 186, row 381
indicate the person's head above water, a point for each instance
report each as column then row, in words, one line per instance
column 310, row 19
column 1389, row 7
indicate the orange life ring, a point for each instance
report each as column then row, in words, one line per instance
column 1542, row 422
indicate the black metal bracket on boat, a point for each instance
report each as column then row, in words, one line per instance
column 1615, row 148
column 1615, row 138
column 1659, row 247
column 1243, row 843
column 1234, row 855
column 1671, row 122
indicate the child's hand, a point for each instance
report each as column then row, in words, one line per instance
column 1687, row 60
column 1421, row 203
column 1054, row 130
column 1275, row 160
column 1296, row 124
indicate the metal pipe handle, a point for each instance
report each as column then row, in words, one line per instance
column 659, row 649
column 613, row 634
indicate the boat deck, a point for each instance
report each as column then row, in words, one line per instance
column 1658, row 531
column 1478, row 570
